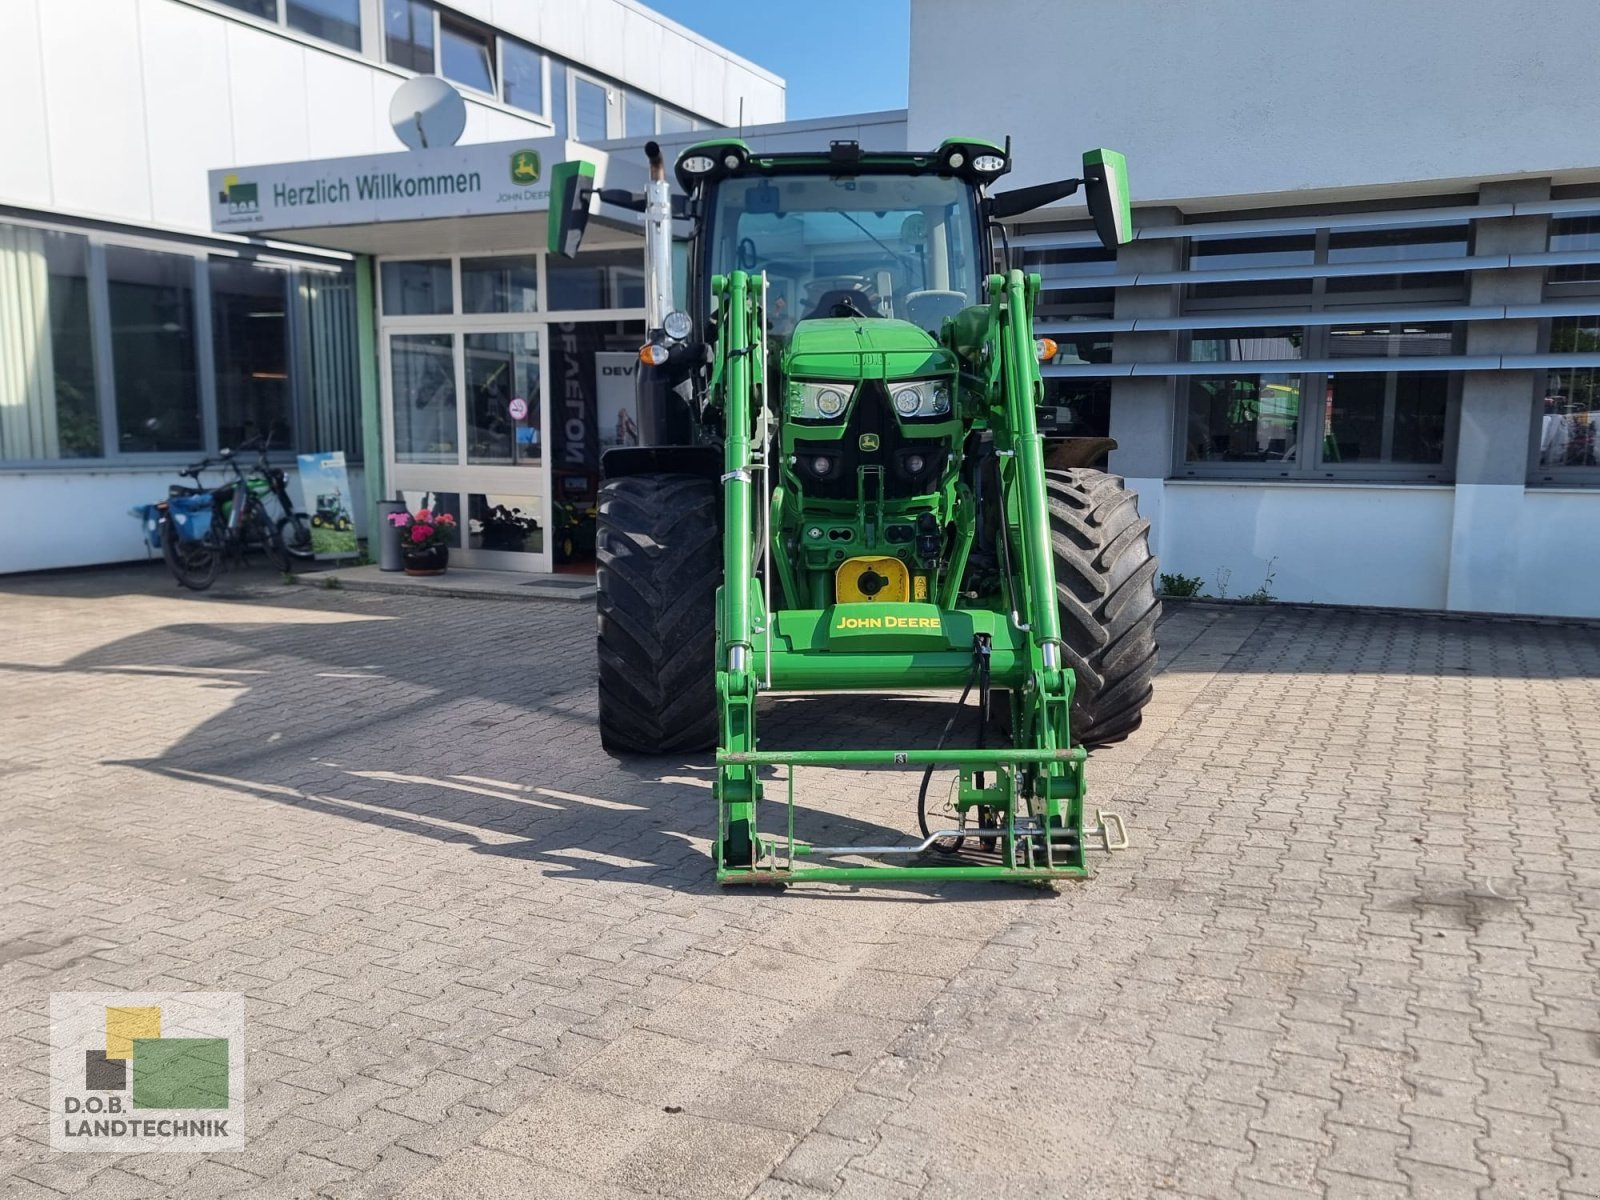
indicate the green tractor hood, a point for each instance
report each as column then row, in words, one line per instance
column 852, row 348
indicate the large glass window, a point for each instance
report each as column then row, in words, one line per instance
column 337, row 21
column 639, row 115
column 1397, row 339
column 559, row 100
column 408, row 35
column 673, row 121
column 422, row 366
column 466, row 54
column 504, row 284
column 1244, row 416
column 1208, row 254
column 267, row 10
column 1570, row 421
column 1062, row 267
column 589, row 108
column 48, row 407
column 418, row 288
column 503, row 399
column 1397, row 417
column 510, row 524
column 1575, row 233
column 152, row 302
column 250, row 345
column 602, row 279
column 1394, row 245
column 524, row 75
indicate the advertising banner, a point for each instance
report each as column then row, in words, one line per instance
column 616, row 399
column 325, row 497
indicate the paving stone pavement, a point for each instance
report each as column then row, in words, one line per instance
column 1352, row 952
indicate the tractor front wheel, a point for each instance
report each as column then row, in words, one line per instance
column 1106, row 595
column 659, row 552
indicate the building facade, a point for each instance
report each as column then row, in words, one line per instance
column 1353, row 353
column 134, row 336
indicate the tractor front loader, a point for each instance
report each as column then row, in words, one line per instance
column 842, row 486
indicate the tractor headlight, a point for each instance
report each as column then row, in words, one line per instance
column 677, row 325
column 817, row 401
column 926, row 399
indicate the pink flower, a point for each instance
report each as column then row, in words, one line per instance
column 424, row 515
column 445, row 519
column 399, row 520
column 420, row 533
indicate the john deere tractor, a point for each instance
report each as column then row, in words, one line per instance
column 842, row 486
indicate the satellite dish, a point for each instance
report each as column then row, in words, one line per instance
column 427, row 112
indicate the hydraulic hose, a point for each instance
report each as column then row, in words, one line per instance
column 979, row 674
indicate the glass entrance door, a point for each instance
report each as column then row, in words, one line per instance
column 466, row 420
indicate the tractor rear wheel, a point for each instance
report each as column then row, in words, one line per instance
column 659, row 552
column 1106, row 595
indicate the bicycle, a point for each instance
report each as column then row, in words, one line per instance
column 294, row 528
column 200, row 526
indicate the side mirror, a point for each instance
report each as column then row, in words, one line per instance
column 571, row 185
column 1105, row 186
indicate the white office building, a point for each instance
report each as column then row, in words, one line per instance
column 1355, row 347
column 137, row 335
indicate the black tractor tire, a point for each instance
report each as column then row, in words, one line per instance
column 1106, row 597
column 659, row 563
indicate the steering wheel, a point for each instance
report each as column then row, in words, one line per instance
column 844, row 302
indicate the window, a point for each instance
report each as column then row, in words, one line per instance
column 422, row 366
column 1397, row 417
column 336, row 21
column 604, row 279
column 267, row 10
column 417, row 288
column 250, row 345
column 559, row 106
column 466, row 55
column 1209, row 254
column 408, row 35
column 1397, row 244
column 509, row 524
column 1392, row 340
column 639, row 115
column 1244, row 416
column 524, row 76
column 48, row 401
column 151, row 300
column 1575, row 233
column 507, row 284
column 673, row 121
column 502, row 382
column 1059, row 267
column 1570, row 417
column 589, row 107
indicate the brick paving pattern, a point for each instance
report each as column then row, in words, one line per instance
column 1352, row 952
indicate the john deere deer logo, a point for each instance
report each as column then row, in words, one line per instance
column 525, row 167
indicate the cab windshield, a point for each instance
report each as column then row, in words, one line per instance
column 871, row 246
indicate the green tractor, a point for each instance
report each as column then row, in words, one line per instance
column 842, row 486
column 331, row 513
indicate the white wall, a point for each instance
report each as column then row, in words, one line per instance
column 1242, row 97
column 117, row 108
column 1344, row 544
column 1470, row 548
column 80, row 518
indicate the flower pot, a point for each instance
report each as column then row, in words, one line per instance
column 431, row 561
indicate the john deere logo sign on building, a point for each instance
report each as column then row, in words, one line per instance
column 525, row 167
column 146, row 1071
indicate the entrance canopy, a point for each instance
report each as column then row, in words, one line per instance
column 450, row 199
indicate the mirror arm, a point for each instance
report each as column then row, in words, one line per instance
column 1020, row 200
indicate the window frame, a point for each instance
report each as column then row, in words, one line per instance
column 1564, row 476
column 279, row 23
column 199, row 253
column 491, row 43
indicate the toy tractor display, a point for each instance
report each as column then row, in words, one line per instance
column 842, row 486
